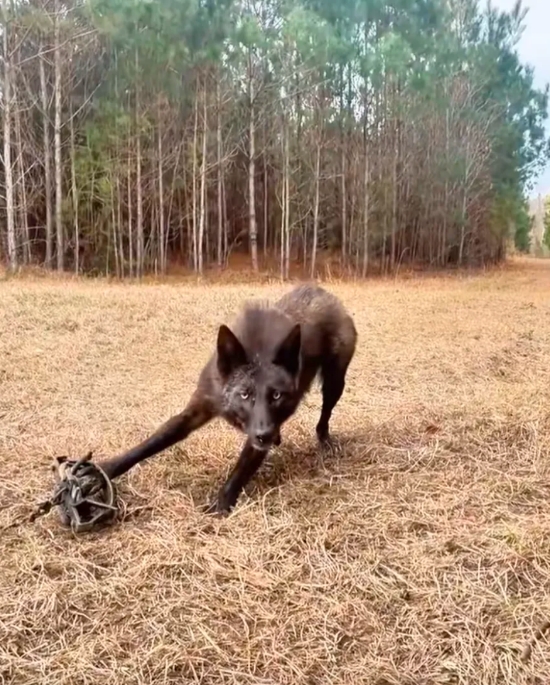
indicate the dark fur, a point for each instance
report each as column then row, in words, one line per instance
column 257, row 377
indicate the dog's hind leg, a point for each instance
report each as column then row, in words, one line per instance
column 333, row 374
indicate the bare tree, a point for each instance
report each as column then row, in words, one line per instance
column 60, row 238
column 47, row 156
column 253, row 227
column 7, row 121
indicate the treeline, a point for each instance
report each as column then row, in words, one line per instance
column 138, row 132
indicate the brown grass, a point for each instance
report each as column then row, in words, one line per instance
column 420, row 554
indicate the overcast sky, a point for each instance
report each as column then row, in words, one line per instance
column 533, row 50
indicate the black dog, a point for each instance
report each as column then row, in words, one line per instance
column 257, row 377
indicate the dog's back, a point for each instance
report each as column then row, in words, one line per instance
column 328, row 334
column 327, row 328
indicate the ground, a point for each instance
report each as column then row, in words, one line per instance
column 420, row 553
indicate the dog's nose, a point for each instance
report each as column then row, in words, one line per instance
column 264, row 437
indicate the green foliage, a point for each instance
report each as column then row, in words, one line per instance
column 441, row 108
column 546, row 238
column 522, row 235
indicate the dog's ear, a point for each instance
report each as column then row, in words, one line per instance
column 231, row 354
column 288, row 352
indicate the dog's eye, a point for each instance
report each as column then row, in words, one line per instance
column 245, row 395
column 276, row 395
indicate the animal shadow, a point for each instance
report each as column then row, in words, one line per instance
column 306, row 460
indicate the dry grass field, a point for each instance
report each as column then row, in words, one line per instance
column 418, row 554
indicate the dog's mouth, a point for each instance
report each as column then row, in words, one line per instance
column 264, row 444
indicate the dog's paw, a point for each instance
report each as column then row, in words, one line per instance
column 217, row 507
column 330, row 446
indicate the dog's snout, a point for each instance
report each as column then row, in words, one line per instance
column 264, row 436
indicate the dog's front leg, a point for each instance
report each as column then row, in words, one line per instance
column 248, row 463
column 197, row 413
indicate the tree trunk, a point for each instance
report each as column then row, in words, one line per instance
column 75, row 203
column 60, row 238
column 384, row 264
column 162, row 246
column 202, row 210
column 284, row 204
column 443, row 245
column 8, row 170
column 139, row 210
column 130, row 212
column 394, row 202
column 114, row 225
column 116, row 180
column 366, row 210
column 283, row 224
column 175, row 179
column 195, row 164
column 252, row 171
column 21, row 184
column 225, row 223
column 47, row 161
column 287, row 203
column 344, row 205
column 266, row 202
column 463, row 218
column 120, row 225
column 220, row 177
column 316, row 207
column 343, row 208
column 139, row 189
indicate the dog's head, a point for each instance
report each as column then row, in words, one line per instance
column 259, row 394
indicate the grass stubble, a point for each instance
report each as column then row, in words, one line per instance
column 419, row 554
